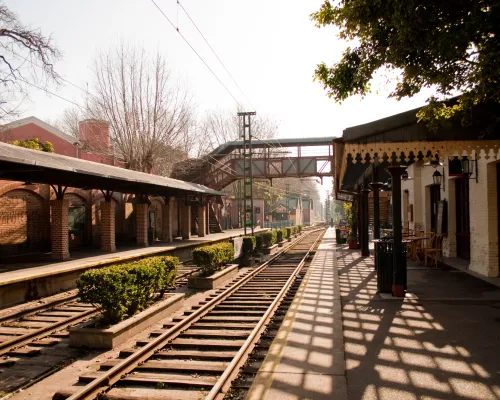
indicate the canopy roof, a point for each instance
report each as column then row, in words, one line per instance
column 25, row 165
column 402, row 139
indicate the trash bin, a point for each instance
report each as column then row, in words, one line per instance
column 384, row 264
column 338, row 236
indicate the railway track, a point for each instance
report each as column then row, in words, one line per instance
column 32, row 325
column 197, row 356
column 34, row 340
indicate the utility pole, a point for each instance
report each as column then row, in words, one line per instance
column 239, row 203
column 287, row 199
column 245, row 118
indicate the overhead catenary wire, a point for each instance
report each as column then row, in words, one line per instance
column 194, row 50
column 51, row 93
column 215, row 53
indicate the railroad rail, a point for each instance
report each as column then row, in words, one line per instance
column 35, row 323
column 198, row 355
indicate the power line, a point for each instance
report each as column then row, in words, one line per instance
column 41, row 67
column 51, row 93
column 213, row 51
column 192, row 48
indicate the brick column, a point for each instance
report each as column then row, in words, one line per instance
column 59, row 229
column 202, row 219
column 185, row 221
column 167, row 222
column 141, row 215
column 108, row 226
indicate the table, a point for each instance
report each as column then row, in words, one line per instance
column 414, row 240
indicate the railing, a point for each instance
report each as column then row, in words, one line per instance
column 277, row 224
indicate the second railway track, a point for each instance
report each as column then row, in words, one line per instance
column 198, row 355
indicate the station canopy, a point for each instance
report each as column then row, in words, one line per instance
column 32, row 166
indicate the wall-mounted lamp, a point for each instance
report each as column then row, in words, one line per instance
column 405, row 177
column 469, row 168
column 437, row 178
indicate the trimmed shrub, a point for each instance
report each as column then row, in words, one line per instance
column 108, row 289
column 299, row 228
column 213, row 258
column 248, row 245
column 122, row 290
column 294, row 230
column 267, row 239
column 275, row 236
column 259, row 241
column 288, row 232
column 279, row 235
column 165, row 271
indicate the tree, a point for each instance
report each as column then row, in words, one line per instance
column 146, row 110
column 34, row 144
column 221, row 126
column 27, row 58
column 451, row 46
column 68, row 121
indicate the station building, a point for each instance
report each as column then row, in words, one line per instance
column 451, row 185
column 28, row 208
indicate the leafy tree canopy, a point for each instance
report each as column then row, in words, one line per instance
column 452, row 46
column 34, row 144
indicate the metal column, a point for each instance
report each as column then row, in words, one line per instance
column 247, row 168
column 399, row 281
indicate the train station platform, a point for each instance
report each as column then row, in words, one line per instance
column 340, row 339
column 22, row 281
column 306, row 359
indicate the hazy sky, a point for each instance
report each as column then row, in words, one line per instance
column 270, row 47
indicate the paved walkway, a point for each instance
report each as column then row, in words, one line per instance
column 83, row 259
column 306, row 360
column 341, row 340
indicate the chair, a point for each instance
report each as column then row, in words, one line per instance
column 435, row 250
column 425, row 244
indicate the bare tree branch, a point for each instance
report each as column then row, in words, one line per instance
column 147, row 111
column 27, row 56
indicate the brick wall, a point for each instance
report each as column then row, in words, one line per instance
column 59, row 229
column 141, row 214
column 482, row 208
column 108, row 226
column 484, row 220
column 24, row 226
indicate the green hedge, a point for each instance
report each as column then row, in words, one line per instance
column 267, row 239
column 259, row 241
column 120, row 291
column 288, row 232
column 299, row 228
column 279, row 235
column 213, row 258
column 248, row 245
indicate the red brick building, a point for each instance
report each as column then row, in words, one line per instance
column 25, row 208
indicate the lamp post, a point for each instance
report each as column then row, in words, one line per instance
column 399, row 267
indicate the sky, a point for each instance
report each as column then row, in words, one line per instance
column 270, row 47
